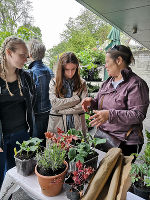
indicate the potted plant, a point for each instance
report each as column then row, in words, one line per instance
column 76, row 181
column 51, row 169
column 85, row 152
column 140, row 172
column 77, row 146
column 65, row 140
column 25, row 157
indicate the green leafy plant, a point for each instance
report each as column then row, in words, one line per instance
column 74, row 132
column 51, row 158
column 30, row 146
column 85, row 148
column 89, row 58
column 92, row 88
column 87, row 120
column 140, row 171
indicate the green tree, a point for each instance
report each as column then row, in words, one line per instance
column 81, row 33
column 14, row 13
column 87, row 22
column 26, row 33
column 16, row 19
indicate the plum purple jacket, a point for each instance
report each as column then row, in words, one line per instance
column 127, row 105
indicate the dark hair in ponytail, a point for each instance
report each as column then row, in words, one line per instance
column 124, row 52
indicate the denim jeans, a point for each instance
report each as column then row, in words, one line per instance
column 41, row 121
column 7, row 160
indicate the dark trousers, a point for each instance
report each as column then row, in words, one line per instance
column 7, row 160
column 41, row 121
column 127, row 150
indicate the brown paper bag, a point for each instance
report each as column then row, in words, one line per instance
column 106, row 166
column 112, row 179
column 109, row 191
column 125, row 179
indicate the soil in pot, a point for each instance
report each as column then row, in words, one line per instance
column 24, row 156
column 141, row 191
column 50, row 172
column 75, row 142
column 72, row 193
column 91, row 160
column 25, row 164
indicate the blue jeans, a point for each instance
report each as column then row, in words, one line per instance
column 7, row 160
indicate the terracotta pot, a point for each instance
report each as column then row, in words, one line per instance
column 51, row 185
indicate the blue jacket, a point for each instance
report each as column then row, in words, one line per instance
column 41, row 76
column 28, row 90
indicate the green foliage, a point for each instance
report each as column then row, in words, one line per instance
column 28, row 33
column 15, row 19
column 140, row 171
column 3, row 35
column 75, row 132
column 87, row 120
column 81, row 33
column 52, row 158
column 80, row 152
column 92, row 88
column 83, row 149
column 89, row 58
column 13, row 13
column 31, row 145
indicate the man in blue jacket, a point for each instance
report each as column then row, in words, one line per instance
column 42, row 76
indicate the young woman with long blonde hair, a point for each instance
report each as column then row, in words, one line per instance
column 16, row 101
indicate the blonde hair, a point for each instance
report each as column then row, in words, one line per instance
column 9, row 43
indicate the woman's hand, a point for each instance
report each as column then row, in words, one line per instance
column 1, row 150
column 86, row 103
column 99, row 118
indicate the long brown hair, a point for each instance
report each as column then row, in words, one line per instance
column 9, row 43
column 66, row 58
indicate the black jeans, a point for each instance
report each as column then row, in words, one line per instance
column 127, row 150
column 41, row 121
column 7, row 160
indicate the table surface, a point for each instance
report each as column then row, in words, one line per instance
column 30, row 185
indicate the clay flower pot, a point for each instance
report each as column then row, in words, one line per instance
column 51, row 185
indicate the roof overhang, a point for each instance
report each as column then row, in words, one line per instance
column 130, row 16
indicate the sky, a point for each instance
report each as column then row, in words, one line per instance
column 51, row 16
